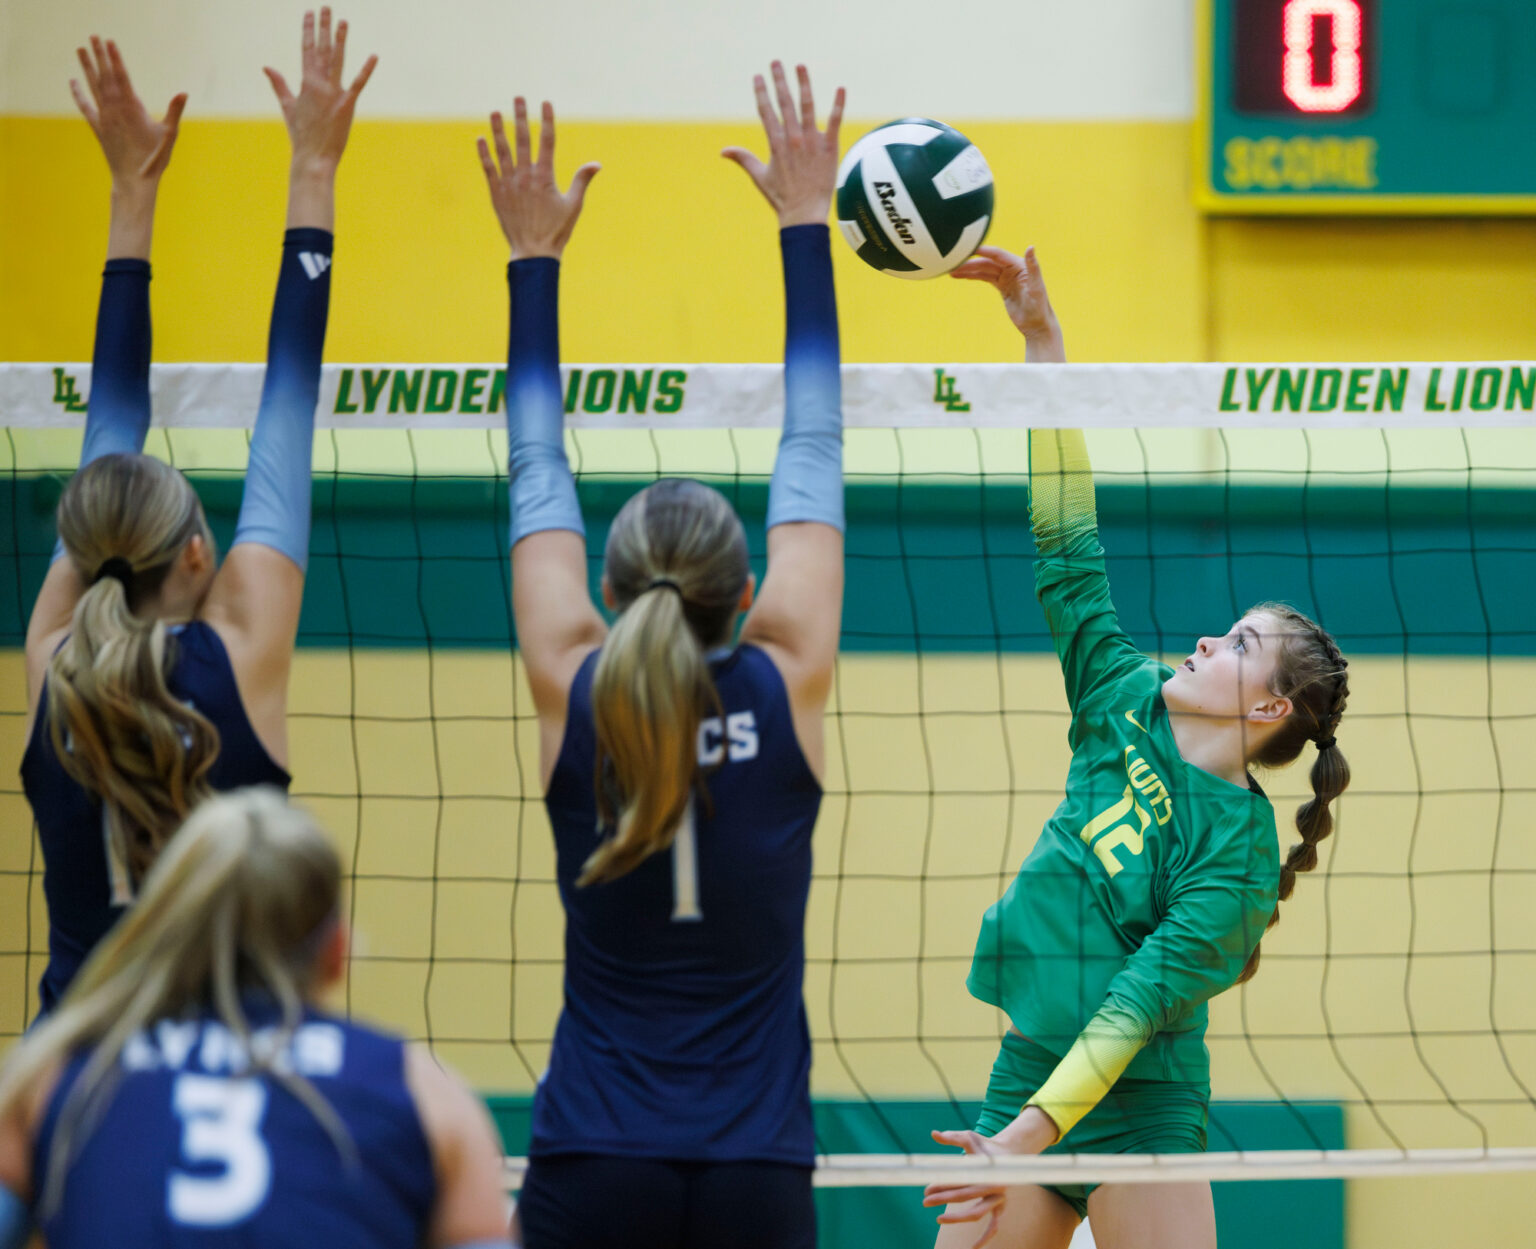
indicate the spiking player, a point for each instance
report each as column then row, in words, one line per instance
column 1152, row 883
column 676, row 1107
column 189, row 1091
column 155, row 676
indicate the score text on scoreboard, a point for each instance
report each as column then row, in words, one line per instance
column 1367, row 106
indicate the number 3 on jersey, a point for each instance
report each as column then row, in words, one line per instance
column 221, row 1126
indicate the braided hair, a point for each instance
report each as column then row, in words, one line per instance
column 1313, row 674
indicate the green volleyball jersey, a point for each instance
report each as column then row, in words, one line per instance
column 1154, row 879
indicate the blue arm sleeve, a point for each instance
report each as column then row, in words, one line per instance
column 117, row 417
column 15, row 1222
column 540, row 487
column 807, row 482
column 275, row 508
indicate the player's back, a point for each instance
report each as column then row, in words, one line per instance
column 193, row 1152
column 84, row 889
column 684, row 1031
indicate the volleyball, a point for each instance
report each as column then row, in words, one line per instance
column 914, row 198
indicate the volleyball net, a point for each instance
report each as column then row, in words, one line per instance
column 1391, row 1029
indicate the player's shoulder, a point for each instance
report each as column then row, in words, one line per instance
column 1241, row 831
column 752, row 660
column 1133, row 685
column 30, row 1109
column 466, row 1153
column 756, row 671
column 453, row 1118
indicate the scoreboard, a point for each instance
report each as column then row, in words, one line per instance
column 1366, row 106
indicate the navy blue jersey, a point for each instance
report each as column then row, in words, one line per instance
column 78, row 875
column 193, row 1151
column 684, row 1033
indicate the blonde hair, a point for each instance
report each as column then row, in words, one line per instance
column 116, row 727
column 1312, row 672
column 242, row 899
column 676, row 562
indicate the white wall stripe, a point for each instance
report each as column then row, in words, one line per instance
column 606, row 59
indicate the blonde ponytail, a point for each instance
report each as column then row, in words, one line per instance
column 115, row 726
column 649, row 695
column 677, row 564
column 238, row 902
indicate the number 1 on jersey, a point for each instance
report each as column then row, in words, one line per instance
column 685, row 871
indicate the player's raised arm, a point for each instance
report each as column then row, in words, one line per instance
column 254, row 602
column 1070, row 577
column 798, row 614
column 557, row 624
column 137, row 150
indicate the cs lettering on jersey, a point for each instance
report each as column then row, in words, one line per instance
column 1123, row 824
column 734, row 738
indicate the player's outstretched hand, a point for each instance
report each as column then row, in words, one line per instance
column 802, row 161
column 319, row 118
column 1022, row 286
column 972, row 1202
column 137, row 147
column 535, row 214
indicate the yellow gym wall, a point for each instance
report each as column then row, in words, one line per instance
column 675, row 259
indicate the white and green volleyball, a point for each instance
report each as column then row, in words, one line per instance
column 914, row 198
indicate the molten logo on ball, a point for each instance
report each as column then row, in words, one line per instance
column 899, row 223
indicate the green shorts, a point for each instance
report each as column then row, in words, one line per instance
column 1136, row 1117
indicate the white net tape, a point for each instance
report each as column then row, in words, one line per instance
column 875, row 396
column 907, row 1170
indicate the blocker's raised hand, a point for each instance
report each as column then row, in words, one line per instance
column 319, row 118
column 802, row 161
column 535, row 215
column 137, row 147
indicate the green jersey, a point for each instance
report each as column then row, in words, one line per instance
column 1153, row 881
